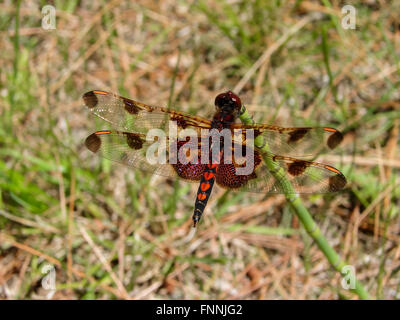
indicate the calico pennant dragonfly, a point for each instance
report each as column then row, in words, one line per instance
column 129, row 145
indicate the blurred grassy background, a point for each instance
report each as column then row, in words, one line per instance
column 113, row 232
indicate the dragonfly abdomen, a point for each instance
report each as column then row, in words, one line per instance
column 203, row 193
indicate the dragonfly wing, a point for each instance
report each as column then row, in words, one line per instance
column 293, row 142
column 304, row 176
column 156, row 156
column 130, row 115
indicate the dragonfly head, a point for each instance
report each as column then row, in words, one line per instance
column 228, row 102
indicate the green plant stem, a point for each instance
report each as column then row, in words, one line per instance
column 298, row 207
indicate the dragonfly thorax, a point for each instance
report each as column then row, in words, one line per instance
column 222, row 120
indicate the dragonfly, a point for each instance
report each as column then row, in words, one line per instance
column 129, row 143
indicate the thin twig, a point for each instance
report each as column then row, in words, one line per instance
column 299, row 209
column 103, row 260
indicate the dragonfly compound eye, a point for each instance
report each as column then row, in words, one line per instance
column 228, row 101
